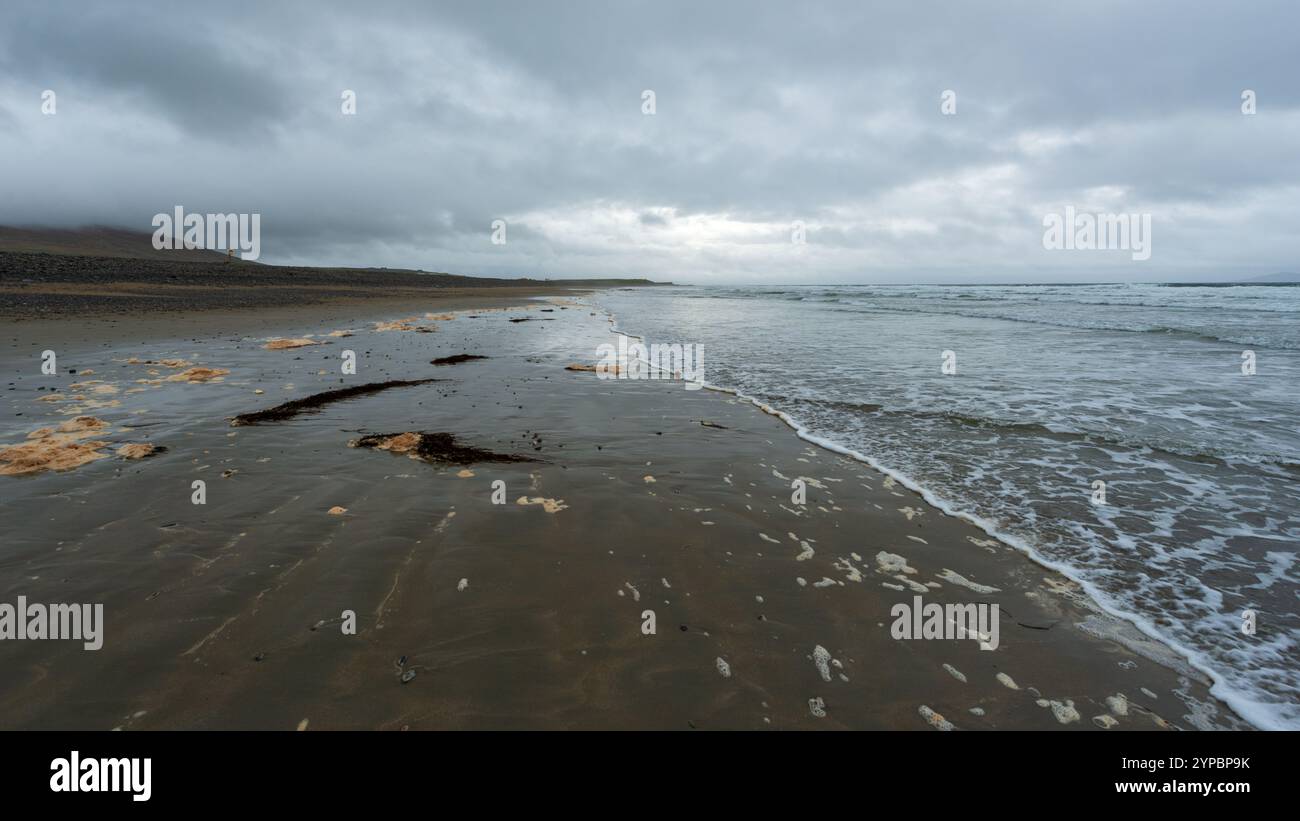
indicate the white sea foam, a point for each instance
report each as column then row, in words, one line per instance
column 822, row 660
column 1139, row 431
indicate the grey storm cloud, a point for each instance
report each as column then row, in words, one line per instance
column 766, row 114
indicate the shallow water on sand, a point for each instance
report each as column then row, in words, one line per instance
column 1058, row 387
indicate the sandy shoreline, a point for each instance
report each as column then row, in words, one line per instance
column 44, row 286
column 769, row 613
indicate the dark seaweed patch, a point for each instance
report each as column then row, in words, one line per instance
column 433, row 447
column 311, row 404
column 457, row 359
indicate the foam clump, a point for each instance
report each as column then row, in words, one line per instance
column 934, row 719
column 822, row 659
column 49, row 453
column 603, row 367
column 892, row 563
column 1064, row 712
column 407, row 324
column 138, row 450
column 280, row 344
column 55, row 449
column 549, row 505
column 193, row 375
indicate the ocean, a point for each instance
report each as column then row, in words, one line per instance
column 1140, row 438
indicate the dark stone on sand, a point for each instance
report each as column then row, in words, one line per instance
column 310, row 404
column 1038, row 626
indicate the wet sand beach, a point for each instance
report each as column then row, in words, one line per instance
column 527, row 610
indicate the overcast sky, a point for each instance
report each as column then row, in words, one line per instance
column 765, row 114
